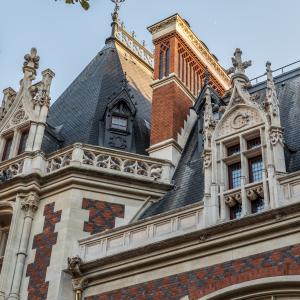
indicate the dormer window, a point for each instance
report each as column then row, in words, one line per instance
column 119, row 123
column 7, row 148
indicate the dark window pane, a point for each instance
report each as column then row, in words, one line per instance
column 167, row 69
column 187, row 73
column 254, row 143
column 183, row 69
column 179, row 67
column 236, row 211
column 255, row 169
column 7, row 148
column 257, row 205
column 119, row 123
column 233, row 150
column 235, row 174
column 23, row 141
column 161, row 65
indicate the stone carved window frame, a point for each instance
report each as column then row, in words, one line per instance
column 222, row 140
column 16, row 134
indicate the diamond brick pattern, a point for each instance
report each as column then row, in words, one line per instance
column 43, row 243
column 102, row 215
column 198, row 283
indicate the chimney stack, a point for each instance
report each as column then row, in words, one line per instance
column 179, row 68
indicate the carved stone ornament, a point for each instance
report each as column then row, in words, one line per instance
column 74, row 264
column 271, row 101
column 207, row 159
column 156, row 173
column 232, row 199
column 31, row 202
column 18, row 117
column 31, row 61
column 238, row 119
column 255, row 192
column 79, row 285
column 238, row 65
column 276, row 136
column 42, row 99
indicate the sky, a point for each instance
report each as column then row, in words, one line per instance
column 67, row 37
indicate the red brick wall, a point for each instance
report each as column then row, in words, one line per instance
column 102, row 215
column 203, row 281
column 43, row 243
column 170, row 106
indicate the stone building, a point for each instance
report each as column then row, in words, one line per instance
column 151, row 177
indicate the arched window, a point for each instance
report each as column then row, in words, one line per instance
column 161, row 65
column 179, row 65
column 167, row 66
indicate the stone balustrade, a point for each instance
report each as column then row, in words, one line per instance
column 87, row 156
column 137, row 235
column 11, row 168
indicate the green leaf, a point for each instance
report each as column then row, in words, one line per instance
column 85, row 4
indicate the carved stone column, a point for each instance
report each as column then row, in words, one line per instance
column 79, row 282
column 29, row 205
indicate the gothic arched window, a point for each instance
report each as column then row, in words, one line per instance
column 167, row 66
column 161, row 64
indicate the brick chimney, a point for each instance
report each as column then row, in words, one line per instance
column 179, row 68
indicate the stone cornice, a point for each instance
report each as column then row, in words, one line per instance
column 254, row 228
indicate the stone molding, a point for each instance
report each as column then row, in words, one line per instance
column 260, row 227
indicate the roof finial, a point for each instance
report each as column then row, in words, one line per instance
column 238, row 65
column 115, row 16
column 117, row 5
column 31, row 63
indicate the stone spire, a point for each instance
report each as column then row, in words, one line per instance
column 209, row 123
column 238, row 69
column 271, row 101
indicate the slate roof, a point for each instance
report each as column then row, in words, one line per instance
column 77, row 115
column 188, row 179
